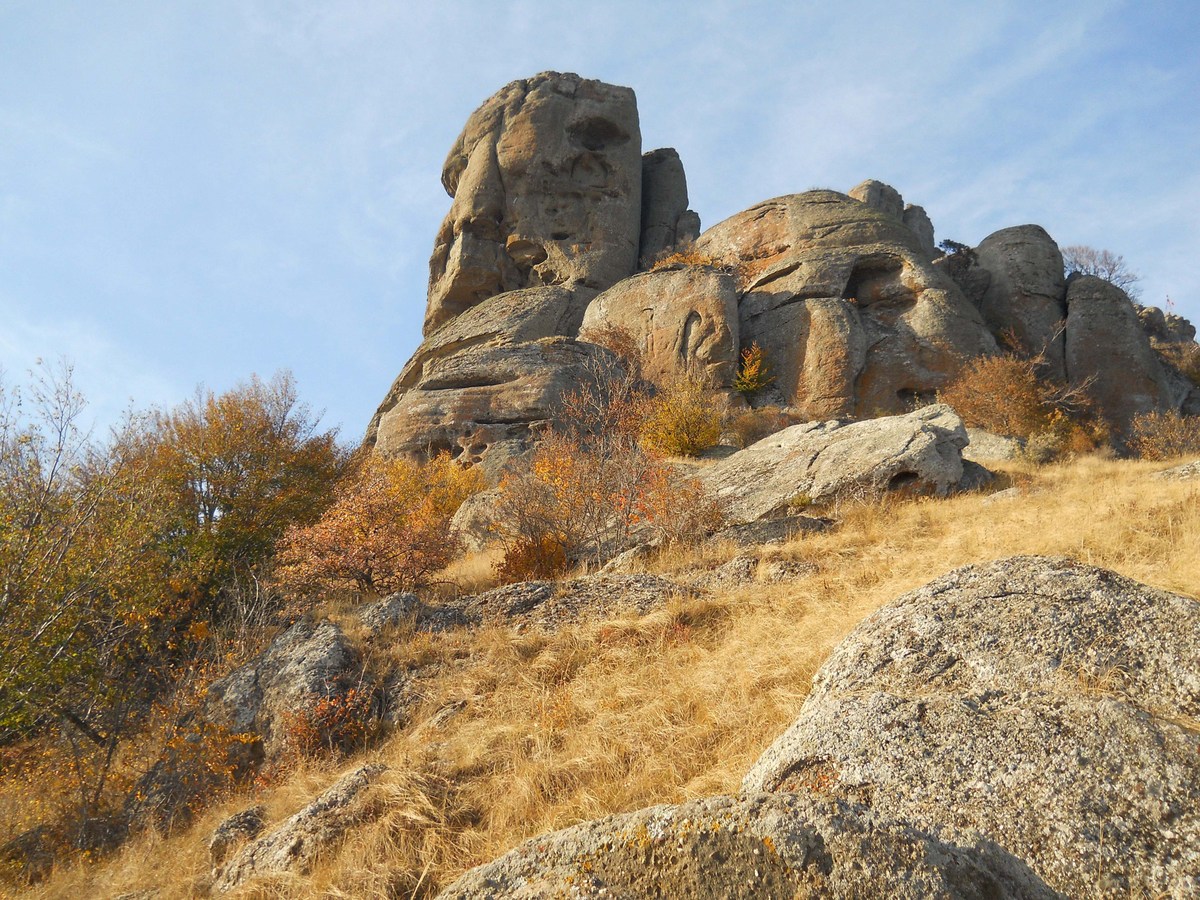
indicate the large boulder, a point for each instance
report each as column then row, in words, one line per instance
column 547, row 185
column 852, row 316
column 1049, row 705
column 307, row 661
column 1109, row 354
column 750, row 847
column 666, row 220
column 821, row 461
column 1024, row 298
column 489, row 379
column 297, row 842
column 684, row 320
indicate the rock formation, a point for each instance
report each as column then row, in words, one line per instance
column 820, row 461
column 1046, row 704
column 751, row 847
column 557, row 215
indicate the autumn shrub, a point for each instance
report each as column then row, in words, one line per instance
column 387, row 530
column 753, row 373
column 1164, row 435
column 752, row 425
column 686, row 255
column 681, row 421
column 592, row 483
column 327, row 725
column 1001, row 394
column 1184, row 356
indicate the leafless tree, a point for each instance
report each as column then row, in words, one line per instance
column 1103, row 264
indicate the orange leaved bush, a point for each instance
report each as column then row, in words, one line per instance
column 387, row 530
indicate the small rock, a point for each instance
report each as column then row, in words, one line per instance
column 235, row 831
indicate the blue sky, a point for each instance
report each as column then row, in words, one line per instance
column 191, row 192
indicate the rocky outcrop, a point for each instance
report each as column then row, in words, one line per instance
column 235, row 832
column 546, row 178
column 1049, row 705
column 1024, row 298
column 684, row 320
column 821, row 461
column 295, row 844
column 750, row 847
column 309, row 660
column 841, row 296
column 1107, row 350
column 667, row 222
column 1165, row 327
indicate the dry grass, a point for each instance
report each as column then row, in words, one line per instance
column 612, row 716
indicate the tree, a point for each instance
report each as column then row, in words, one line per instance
column 80, row 612
column 1104, row 264
column 239, row 469
column 388, row 529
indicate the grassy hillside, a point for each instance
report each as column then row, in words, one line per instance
column 519, row 732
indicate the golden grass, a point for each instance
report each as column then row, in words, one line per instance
column 612, row 716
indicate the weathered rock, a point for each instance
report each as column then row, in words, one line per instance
column 387, row 612
column 295, row 844
column 820, row 461
column 483, row 382
column 1165, row 327
column 547, row 605
column 986, row 446
column 684, row 319
column 547, row 185
column 486, row 398
column 234, row 832
column 750, row 847
column 772, row 531
column 1107, row 350
column 1025, row 295
column 880, row 196
column 921, row 225
column 852, row 316
column 1181, row 473
column 1049, row 705
column 309, row 659
column 666, row 220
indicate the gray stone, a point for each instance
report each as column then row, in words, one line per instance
column 1165, row 327
column 234, row 832
column 1025, row 296
column 308, row 660
column 389, row 611
column 667, row 222
column 295, row 844
column 754, row 846
column 1181, row 473
column 547, row 185
column 1048, row 705
column 986, row 446
column 1107, row 350
column 819, row 462
column 921, row 225
column 853, row 318
column 772, row 531
column 880, row 196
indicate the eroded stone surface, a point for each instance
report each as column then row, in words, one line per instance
column 751, row 847
column 820, row 461
column 1049, row 705
column 546, row 178
column 684, row 320
column 666, row 220
column 853, row 317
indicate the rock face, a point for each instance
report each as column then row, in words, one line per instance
column 310, row 659
column 841, row 295
column 1050, row 706
column 547, row 185
column 683, row 318
column 749, row 847
column 666, row 220
column 1025, row 294
column 296, row 842
column 820, row 461
column 1107, row 348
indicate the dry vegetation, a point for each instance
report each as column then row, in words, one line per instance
column 610, row 716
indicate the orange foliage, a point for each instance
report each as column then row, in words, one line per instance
column 387, row 530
